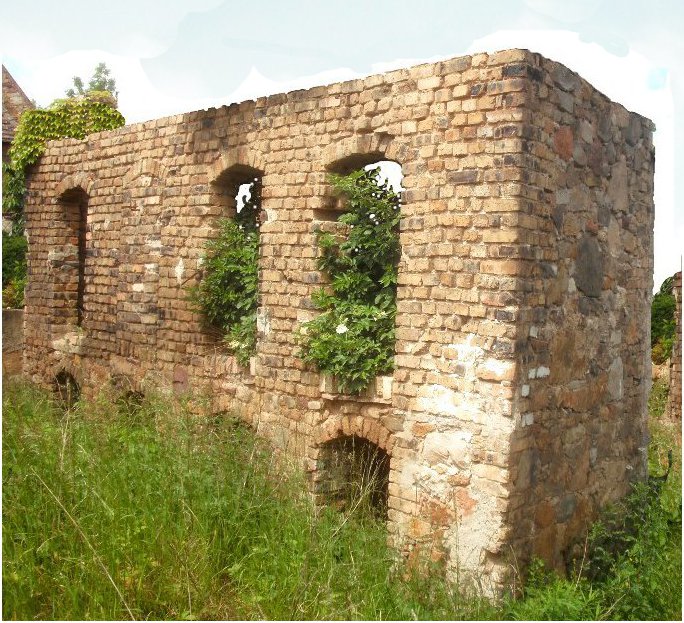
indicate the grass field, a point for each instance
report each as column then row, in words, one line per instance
column 118, row 511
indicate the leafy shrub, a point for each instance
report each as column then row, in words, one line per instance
column 227, row 294
column 663, row 323
column 14, row 248
column 353, row 338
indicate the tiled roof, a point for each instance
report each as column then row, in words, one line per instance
column 14, row 102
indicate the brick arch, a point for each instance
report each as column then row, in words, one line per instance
column 81, row 180
column 149, row 166
column 241, row 157
column 69, row 365
column 357, row 151
column 355, row 425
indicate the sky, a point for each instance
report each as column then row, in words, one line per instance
column 173, row 56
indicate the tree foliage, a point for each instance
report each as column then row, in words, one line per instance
column 101, row 81
column 353, row 338
column 663, row 322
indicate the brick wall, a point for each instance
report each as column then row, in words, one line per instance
column 523, row 299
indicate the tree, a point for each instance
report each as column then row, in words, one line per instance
column 100, row 84
column 100, row 81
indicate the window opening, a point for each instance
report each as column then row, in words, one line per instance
column 75, row 212
column 356, row 476
column 227, row 293
column 353, row 339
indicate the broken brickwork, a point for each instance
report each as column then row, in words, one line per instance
column 518, row 403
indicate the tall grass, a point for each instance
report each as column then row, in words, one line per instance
column 122, row 511
column 140, row 510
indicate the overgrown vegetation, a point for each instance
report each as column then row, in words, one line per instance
column 352, row 338
column 137, row 509
column 14, row 247
column 113, row 512
column 663, row 322
column 227, row 293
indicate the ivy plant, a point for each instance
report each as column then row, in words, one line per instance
column 65, row 118
column 227, row 293
column 353, row 337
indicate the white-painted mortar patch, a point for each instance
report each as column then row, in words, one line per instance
column 180, row 271
column 467, row 352
column 448, row 448
column 543, row 371
column 497, row 366
column 438, row 399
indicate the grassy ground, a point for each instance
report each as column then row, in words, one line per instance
column 116, row 511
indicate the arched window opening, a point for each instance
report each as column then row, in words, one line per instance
column 388, row 171
column 237, row 187
column 353, row 339
column 67, row 390
column 227, row 293
column 355, row 476
column 74, row 207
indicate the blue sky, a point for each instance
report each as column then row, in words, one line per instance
column 178, row 55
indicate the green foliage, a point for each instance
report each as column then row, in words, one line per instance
column 657, row 401
column 663, row 322
column 547, row 597
column 138, row 508
column 164, row 516
column 100, row 82
column 14, row 248
column 227, row 294
column 13, row 257
column 353, row 337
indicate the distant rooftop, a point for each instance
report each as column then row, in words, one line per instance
column 14, row 102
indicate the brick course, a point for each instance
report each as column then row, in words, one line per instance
column 518, row 403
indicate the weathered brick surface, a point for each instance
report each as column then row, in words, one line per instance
column 517, row 405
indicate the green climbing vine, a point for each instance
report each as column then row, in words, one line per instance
column 65, row 118
column 353, row 337
column 227, row 292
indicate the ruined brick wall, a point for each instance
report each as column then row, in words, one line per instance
column 674, row 398
column 519, row 248
column 583, row 323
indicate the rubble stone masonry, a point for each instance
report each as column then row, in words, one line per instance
column 517, row 407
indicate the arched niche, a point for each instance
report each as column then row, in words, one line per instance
column 70, row 269
column 354, row 474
